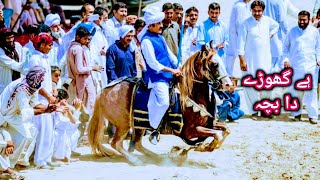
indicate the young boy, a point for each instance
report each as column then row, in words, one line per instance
column 230, row 107
column 66, row 127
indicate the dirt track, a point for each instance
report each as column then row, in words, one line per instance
column 254, row 150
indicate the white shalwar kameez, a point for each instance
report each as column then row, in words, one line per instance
column 188, row 48
column 240, row 12
column 4, row 159
column 43, row 122
column 159, row 96
column 302, row 50
column 18, row 114
column 7, row 65
column 66, row 135
column 275, row 10
column 254, row 44
column 99, row 41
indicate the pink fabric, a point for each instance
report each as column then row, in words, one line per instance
column 80, row 73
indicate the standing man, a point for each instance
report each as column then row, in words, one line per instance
column 240, row 12
column 171, row 29
column 177, row 13
column 79, row 69
column 189, row 41
column 86, row 11
column 302, row 53
column 11, row 57
column 119, row 11
column 99, row 44
column 120, row 60
column 214, row 32
column 315, row 10
column 53, row 21
column 275, row 10
column 254, row 49
column 161, row 66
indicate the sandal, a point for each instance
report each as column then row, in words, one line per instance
column 13, row 176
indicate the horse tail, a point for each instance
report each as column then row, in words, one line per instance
column 96, row 130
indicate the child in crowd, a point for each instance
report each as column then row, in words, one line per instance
column 66, row 127
column 228, row 104
column 55, row 76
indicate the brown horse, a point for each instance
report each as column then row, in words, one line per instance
column 114, row 105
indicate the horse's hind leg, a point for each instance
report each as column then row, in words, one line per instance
column 117, row 144
column 138, row 143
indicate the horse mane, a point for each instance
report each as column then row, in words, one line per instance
column 190, row 75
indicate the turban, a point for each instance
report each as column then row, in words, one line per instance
column 124, row 30
column 42, row 38
column 89, row 27
column 35, row 76
column 5, row 32
column 152, row 15
column 52, row 19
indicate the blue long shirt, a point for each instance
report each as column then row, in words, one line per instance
column 120, row 62
column 216, row 32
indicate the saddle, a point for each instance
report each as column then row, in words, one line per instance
column 172, row 121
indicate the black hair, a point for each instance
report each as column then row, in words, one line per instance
column 118, row 5
column 258, row 3
column 214, row 6
column 177, row 6
column 54, row 69
column 188, row 11
column 62, row 94
column 139, row 23
column 82, row 32
column 83, row 8
column 74, row 19
column 167, row 6
column 100, row 10
column 32, row 29
column 304, row 13
column 44, row 29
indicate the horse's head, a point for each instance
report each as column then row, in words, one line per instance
column 199, row 68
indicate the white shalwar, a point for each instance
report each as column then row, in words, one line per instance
column 254, row 44
column 4, row 159
column 43, row 122
column 302, row 50
column 275, row 10
column 7, row 65
column 240, row 12
column 95, row 74
column 66, row 135
column 18, row 114
column 99, row 41
column 159, row 96
column 188, row 48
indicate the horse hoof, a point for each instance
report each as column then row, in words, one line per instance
column 200, row 148
column 175, row 149
column 135, row 161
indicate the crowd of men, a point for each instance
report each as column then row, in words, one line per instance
column 48, row 86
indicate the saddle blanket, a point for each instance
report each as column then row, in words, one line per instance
column 173, row 117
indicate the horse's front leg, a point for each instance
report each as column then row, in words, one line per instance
column 206, row 132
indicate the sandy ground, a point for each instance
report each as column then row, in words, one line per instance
column 270, row 149
column 255, row 149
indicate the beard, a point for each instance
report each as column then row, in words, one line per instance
column 303, row 26
column 10, row 46
column 56, row 35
